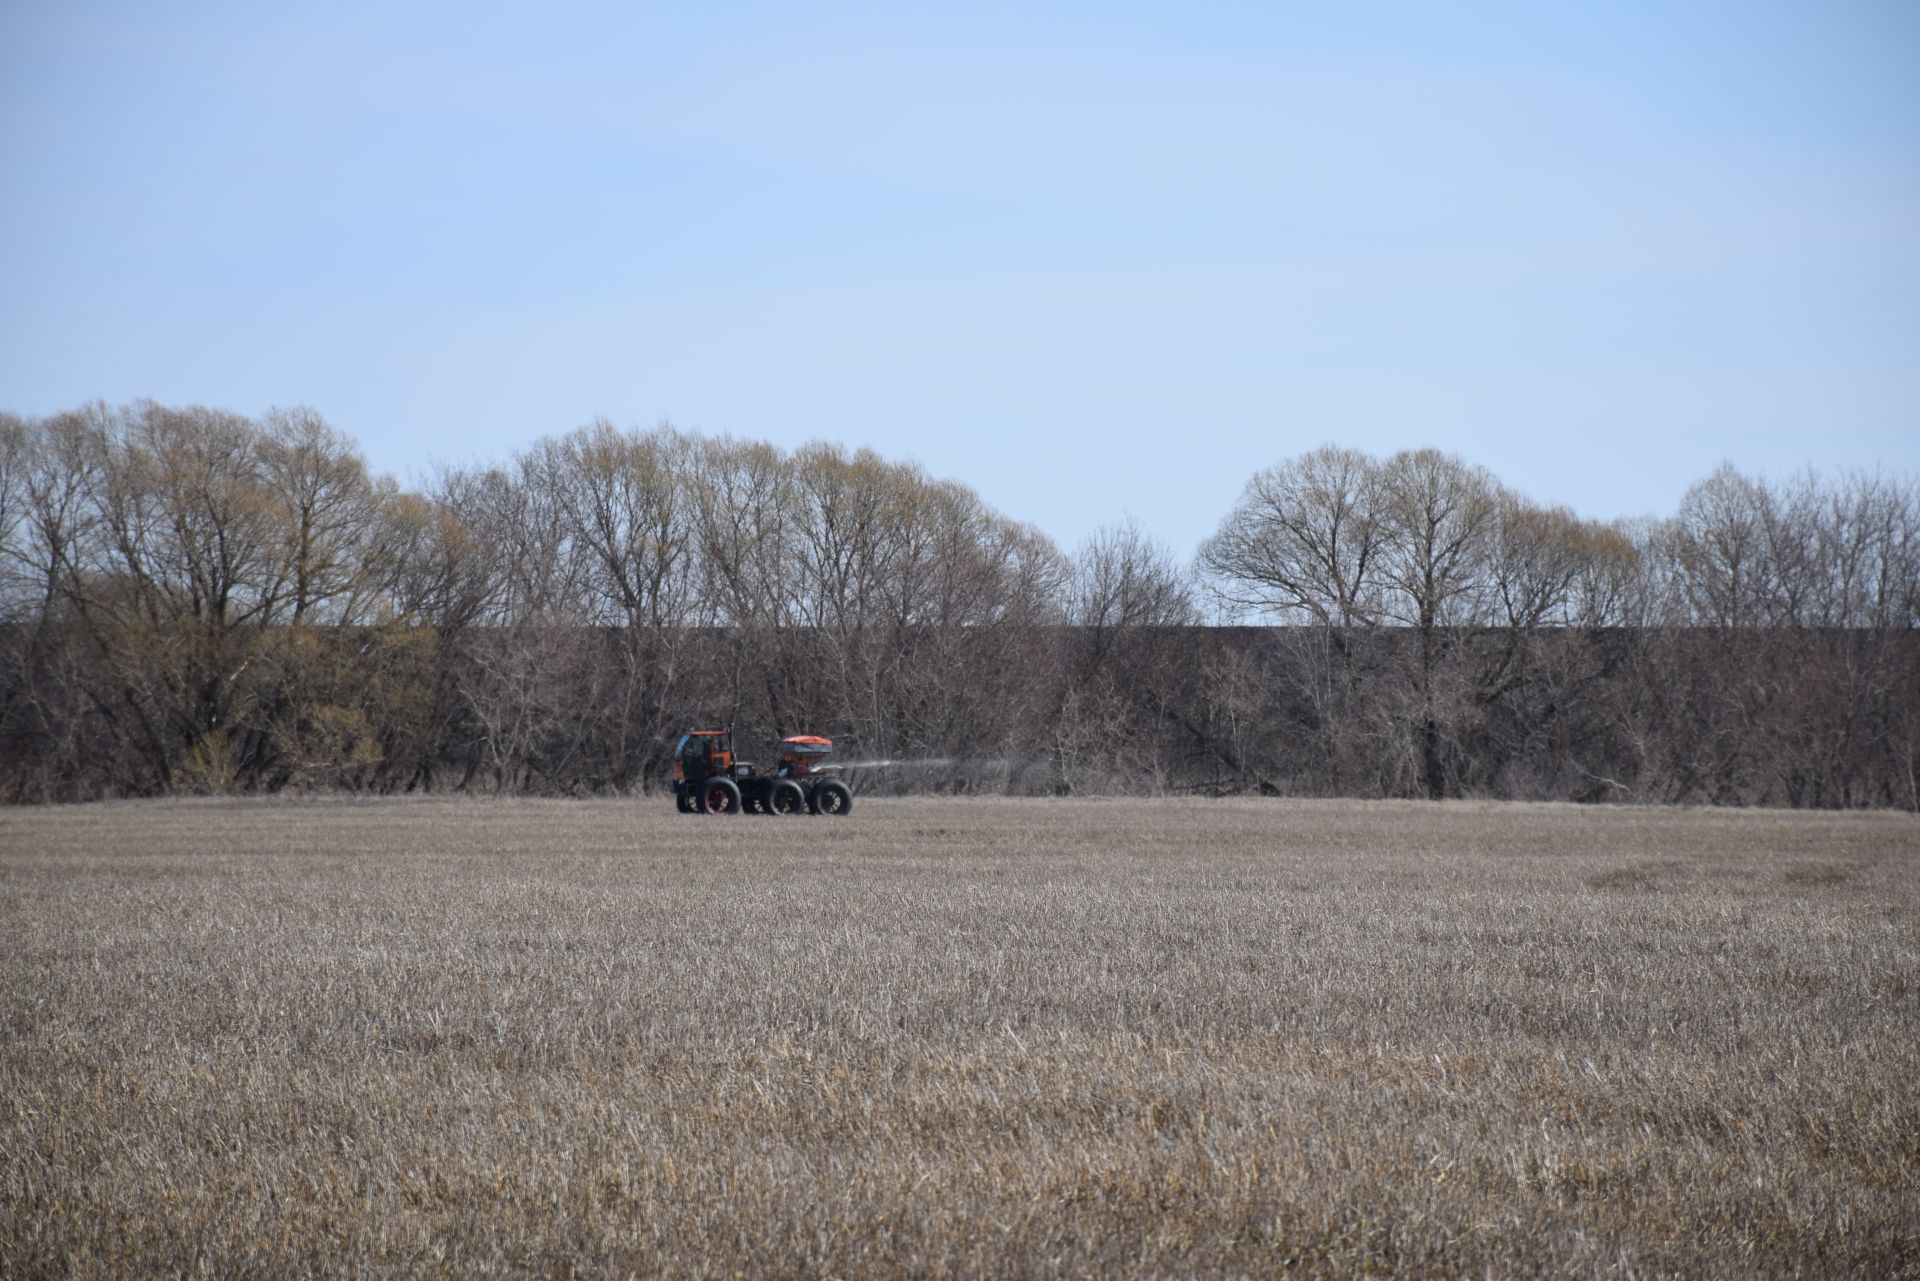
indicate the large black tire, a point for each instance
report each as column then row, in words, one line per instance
column 683, row 802
column 719, row 796
column 832, row 797
column 786, row 798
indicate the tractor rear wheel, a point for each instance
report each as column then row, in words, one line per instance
column 786, row 798
column 833, row 797
column 719, row 796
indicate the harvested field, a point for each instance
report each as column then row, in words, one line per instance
column 949, row 1037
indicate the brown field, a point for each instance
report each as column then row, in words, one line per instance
column 958, row 1037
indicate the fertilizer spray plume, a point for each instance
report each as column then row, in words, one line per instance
column 931, row 762
column 895, row 762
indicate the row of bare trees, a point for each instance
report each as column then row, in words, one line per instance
column 191, row 600
column 1454, row 637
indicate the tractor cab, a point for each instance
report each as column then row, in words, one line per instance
column 700, row 755
column 803, row 755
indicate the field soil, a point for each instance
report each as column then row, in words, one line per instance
column 957, row 1037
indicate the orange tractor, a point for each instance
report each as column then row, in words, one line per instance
column 708, row 780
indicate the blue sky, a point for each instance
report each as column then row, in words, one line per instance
column 1093, row 260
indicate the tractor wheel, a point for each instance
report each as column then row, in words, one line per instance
column 786, row 798
column 719, row 796
column 833, row 797
column 683, row 802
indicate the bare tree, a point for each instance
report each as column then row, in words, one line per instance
column 1304, row 542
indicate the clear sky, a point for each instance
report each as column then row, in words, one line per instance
column 1091, row 259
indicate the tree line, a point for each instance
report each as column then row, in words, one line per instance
column 196, row 601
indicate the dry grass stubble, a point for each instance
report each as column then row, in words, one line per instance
column 944, row 1037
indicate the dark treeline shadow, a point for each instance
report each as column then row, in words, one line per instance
column 192, row 601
